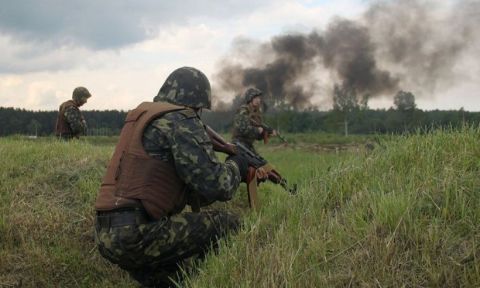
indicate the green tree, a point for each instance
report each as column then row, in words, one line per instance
column 33, row 127
column 404, row 101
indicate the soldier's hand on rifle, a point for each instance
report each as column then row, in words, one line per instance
column 261, row 174
column 260, row 130
column 242, row 164
column 274, row 132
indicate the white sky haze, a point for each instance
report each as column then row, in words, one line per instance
column 123, row 50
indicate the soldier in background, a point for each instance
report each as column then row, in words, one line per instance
column 70, row 122
column 163, row 161
column 247, row 123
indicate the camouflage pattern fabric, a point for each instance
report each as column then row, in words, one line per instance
column 180, row 138
column 80, row 93
column 186, row 86
column 243, row 129
column 75, row 120
column 251, row 93
column 154, row 252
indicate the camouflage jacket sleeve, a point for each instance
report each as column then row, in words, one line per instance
column 75, row 120
column 192, row 152
column 243, row 125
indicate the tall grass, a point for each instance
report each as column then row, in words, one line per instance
column 402, row 215
column 48, row 188
column 405, row 215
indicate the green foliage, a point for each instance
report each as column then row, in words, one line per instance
column 42, row 123
column 360, row 120
column 403, row 214
column 48, row 188
column 345, row 99
column 404, row 101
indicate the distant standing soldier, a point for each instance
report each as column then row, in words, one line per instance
column 247, row 123
column 163, row 161
column 70, row 121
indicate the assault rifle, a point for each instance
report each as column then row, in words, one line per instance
column 257, row 165
column 267, row 131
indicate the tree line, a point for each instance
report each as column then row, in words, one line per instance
column 42, row 123
column 357, row 120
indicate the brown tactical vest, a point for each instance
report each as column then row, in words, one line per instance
column 133, row 177
column 62, row 127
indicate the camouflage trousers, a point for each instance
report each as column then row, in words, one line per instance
column 154, row 252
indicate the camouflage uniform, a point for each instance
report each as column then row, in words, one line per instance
column 70, row 121
column 181, row 139
column 75, row 119
column 244, row 130
column 153, row 251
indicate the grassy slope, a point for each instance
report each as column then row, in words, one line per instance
column 46, row 215
column 404, row 214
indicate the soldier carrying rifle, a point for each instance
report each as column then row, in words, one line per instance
column 248, row 124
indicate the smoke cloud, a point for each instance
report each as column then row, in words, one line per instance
column 410, row 44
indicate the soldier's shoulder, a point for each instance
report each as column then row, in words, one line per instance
column 243, row 109
column 188, row 113
column 174, row 118
column 66, row 104
column 71, row 108
column 69, row 102
column 181, row 115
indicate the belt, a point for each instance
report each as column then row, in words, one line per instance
column 121, row 218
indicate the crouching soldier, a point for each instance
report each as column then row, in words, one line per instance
column 163, row 161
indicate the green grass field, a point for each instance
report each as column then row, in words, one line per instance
column 405, row 214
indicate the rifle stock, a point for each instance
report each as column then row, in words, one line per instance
column 252, row 183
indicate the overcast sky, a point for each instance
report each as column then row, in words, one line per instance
column 122, row 50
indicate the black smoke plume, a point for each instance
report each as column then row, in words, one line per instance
column 404, row 44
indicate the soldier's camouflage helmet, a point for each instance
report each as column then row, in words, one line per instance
column 80, row 93
column 251, row 93
column 186, row 86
